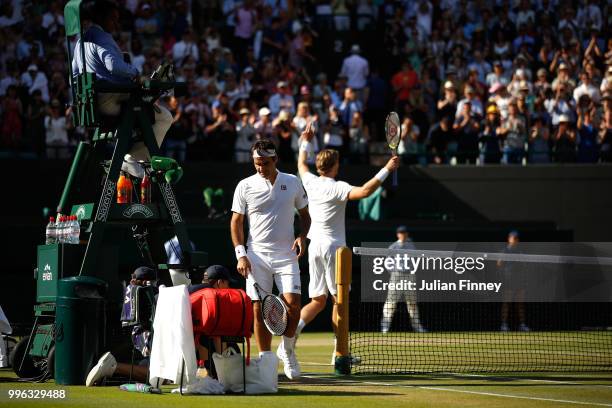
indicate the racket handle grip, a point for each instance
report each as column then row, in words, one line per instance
column 395, row 178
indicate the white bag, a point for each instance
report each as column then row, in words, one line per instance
column 261, row 373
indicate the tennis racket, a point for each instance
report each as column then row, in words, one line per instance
column 393, row 132
column 273, row 311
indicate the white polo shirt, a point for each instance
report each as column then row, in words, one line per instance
column 269, row 210
column 328, row 199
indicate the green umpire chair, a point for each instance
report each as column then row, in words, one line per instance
column 90, row 268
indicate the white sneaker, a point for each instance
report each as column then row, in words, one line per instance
column 524, row 328
column 131, row 166
column 105, row 368
column 420, row 329
column 504, row 327
column 290, row 362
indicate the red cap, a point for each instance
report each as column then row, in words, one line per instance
column 51, row 218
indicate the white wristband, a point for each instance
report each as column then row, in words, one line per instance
column 240, row 251
column 305, row 146
column 382, row 174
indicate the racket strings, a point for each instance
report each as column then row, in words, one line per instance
column 393, row 130
column 274, row 314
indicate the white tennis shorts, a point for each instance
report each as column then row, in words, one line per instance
column 273, row 267
column 322, row 269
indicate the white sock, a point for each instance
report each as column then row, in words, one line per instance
column 300, row 327
column 288, row 343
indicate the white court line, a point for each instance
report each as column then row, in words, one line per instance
column 308, row 363
column 491, row 394
column 494, row 394
column 315, row 364
column 513, row 378
column 528, row 379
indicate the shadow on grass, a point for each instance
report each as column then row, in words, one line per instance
column 284, row 392
column 468, row 380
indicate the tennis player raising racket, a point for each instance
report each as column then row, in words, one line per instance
column 269, row 199
column 327, row 199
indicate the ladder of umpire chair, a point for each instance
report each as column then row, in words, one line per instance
column 132, row 110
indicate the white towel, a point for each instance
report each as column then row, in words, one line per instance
column 204, row 385
column 173, row 337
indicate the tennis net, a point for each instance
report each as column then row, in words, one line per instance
column 401, row 335
column 469, row 338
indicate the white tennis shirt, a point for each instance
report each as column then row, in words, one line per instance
column 269, row 210
column 328, row 199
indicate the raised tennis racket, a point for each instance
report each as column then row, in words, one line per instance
column 393, row 132
column 273, row 311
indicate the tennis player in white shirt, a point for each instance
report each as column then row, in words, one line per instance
column 327, row 200
column 269, row 199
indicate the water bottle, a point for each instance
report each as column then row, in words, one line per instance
column 76, row 230
column 139, row 387
column 59, row 229
column 68, row 229
column 63, row 230
column 51, row 232
column 73, row 230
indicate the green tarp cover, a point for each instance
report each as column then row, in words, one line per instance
column 72, row 17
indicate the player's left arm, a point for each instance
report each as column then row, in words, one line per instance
column 305, row 147
column 300, row 241
column 368, row 188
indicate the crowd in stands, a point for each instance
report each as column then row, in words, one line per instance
column 473, row 81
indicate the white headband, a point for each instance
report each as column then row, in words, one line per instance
column 264, row 153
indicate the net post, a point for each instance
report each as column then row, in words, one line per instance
column 342, row 364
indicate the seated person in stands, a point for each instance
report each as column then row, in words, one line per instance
column 104, row 58
column 141, row 337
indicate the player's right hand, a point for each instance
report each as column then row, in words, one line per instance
column 244, row 266
column 393, row 163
